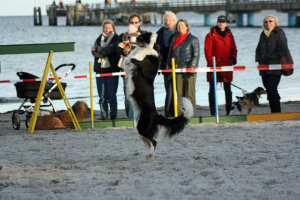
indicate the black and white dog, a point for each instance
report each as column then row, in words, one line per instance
column 141, row 66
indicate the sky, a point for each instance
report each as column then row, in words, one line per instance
column 25, row 7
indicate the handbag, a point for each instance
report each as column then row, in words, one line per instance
column 287, row 64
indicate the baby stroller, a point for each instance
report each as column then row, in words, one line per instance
column 29, row 91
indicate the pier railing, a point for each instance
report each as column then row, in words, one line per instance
column 85, row 14
column 233, row 5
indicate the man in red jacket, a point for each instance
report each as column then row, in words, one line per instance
column 219, row 43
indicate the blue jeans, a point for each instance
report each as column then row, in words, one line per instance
column 128, row 106
column 107, row 90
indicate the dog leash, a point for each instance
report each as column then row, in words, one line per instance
column 244, row 91
column 220, row 75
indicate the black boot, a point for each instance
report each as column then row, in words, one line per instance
column 228, row 96
column 228, row 100
column 275, row 106
column 211, row 100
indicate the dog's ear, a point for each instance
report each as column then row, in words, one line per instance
column 148, row 39
column 259, row 90
column 76, row 107
column 152, row 40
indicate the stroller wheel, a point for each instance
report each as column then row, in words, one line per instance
column 16, row 122
column 27, row 121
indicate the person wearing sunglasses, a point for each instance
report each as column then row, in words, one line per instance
column 127, row 44
column 271, row 47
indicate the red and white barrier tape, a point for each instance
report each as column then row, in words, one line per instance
column 203, row 69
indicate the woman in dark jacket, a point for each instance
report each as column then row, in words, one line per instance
column 106, row 61
column 271, row 47
column 185, row 49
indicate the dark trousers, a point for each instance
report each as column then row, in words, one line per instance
column 107, row 90
column 127, row 102
column 271, row 83
column 169, row 100
column 228, row 97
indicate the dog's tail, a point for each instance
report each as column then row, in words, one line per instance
column 175, row 125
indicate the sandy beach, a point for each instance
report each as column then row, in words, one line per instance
column 245, row 160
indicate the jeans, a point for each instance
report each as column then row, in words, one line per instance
column 128, row 106
column 107, row 90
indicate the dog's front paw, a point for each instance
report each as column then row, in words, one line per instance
column 149, row 156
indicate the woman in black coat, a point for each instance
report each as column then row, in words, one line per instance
column 106, row 61
column 271, row 47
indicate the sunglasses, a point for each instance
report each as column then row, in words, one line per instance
column 134, row 22
column 270, row 21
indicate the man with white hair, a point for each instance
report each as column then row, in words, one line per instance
column 163, row 41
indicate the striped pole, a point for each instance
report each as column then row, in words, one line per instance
column 91, row 93
column 174, row 88
column 215, row 89
column 198, row 70
column 134, row 118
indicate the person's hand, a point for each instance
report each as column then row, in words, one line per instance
column 233, row 60
column 126, row 50
column 93, row 48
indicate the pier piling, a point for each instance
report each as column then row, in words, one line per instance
column 37, row 16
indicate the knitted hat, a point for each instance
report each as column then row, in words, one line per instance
column 109, row 21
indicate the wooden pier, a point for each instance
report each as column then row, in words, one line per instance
column 93, row 14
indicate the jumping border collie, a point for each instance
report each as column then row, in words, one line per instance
column 141, row 66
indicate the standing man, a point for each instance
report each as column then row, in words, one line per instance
column 163, row 41
column 126, row 44
column 219, row 43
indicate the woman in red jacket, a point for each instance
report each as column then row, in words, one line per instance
column 219, row 43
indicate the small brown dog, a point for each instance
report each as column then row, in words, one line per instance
column 62, row 120
column 251, row 98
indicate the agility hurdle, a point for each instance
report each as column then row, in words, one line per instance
column 200, row 119
column 43, row 48
column 194, row 120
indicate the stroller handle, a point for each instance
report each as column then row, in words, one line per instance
column 64, row 65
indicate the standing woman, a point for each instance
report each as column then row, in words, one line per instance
column 220, row 43
column 271, row 47
column 185, row 49
column 106, row 61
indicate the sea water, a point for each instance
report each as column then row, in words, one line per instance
column 20, row 30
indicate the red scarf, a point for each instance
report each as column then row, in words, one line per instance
column 179, row 40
